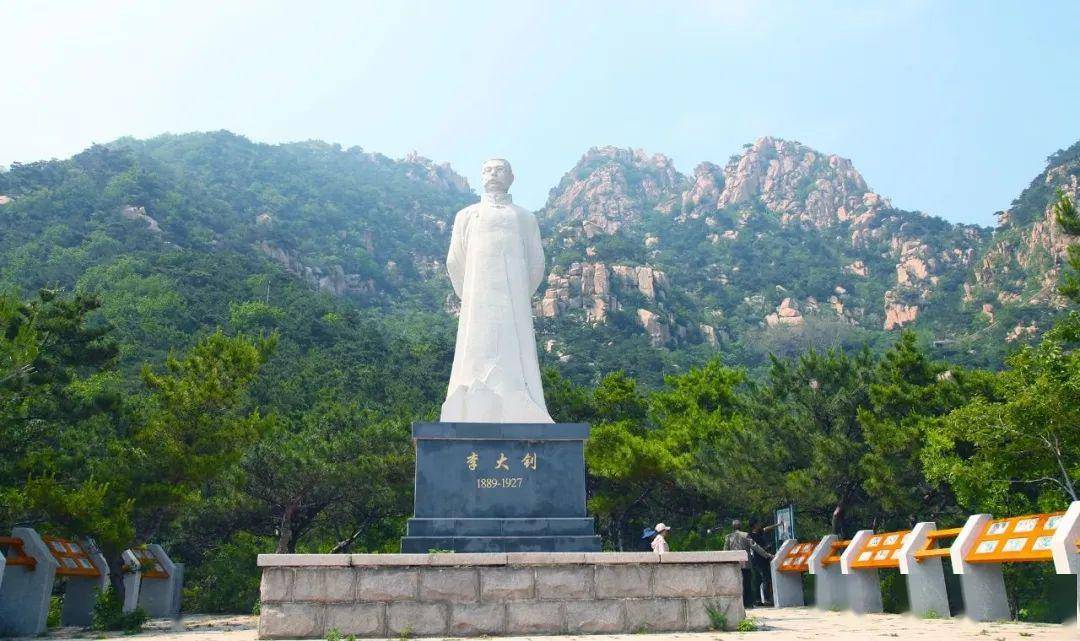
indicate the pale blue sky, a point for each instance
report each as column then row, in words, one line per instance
column 946, row 107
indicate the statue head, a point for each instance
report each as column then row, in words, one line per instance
column 496, row 175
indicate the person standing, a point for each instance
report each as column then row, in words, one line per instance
column 740, row 540
column 659, row 543
column 762, row 576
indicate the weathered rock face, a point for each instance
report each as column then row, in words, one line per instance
column 333, row 280
column 611, row 191
column 589, row 286
column 658, row 332
column 858, row 268
column 1024, row 263
column 611, row 187
column 139, row 213
column 786, row 314
column 1020, row 331
column 708, row 332
column 704, row 194
column 438, row 174
column 898, row 313
column 799, row 183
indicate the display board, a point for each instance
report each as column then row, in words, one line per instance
column 73, row 557
column 1020, row 538
column 151, row 569
column 881, row 551
column 797, row 558
column 16, row 555
column 784, row 518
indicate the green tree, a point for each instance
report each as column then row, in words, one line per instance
column 627, row 457
column 334, row 458
column 1067, row 216
column 191, row 428
column 808, row 407
column 1016, row 448
column 908, row 388
column 60, row 414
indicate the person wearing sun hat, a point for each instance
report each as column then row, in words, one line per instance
column 659, row 543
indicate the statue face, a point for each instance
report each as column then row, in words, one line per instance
column 496, row 175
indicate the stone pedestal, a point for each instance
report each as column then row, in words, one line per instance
column 863, row 586
column 82, row 591
column 925, row 579
column 511, row 594
column 160, row 596
column 830, row 590
column 499, row 487
column 787, row 586
column 983, row 584
column 25, row 591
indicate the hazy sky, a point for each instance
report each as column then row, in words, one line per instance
column 946, row 107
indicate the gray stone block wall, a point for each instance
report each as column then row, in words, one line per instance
column 427, row 595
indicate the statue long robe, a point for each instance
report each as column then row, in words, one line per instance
column 495, row 262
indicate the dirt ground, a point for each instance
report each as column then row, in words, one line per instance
column 792, row 624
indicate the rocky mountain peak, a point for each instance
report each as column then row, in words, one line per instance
column 611, row 186
column 438, row 174
column 704, row 193
column 798, row 182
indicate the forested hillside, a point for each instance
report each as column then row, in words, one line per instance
column 782, row 248
column 220, row 345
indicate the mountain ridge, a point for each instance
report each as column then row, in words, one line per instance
column 780, row 246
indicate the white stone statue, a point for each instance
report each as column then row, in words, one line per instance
column 495, row 263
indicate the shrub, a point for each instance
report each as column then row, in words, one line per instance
column 108, row 614
column 56, row 605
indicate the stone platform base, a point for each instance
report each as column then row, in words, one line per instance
column 380, row 595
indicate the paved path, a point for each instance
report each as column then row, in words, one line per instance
column 794, row 624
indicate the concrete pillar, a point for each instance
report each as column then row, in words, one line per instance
column 178, row 588
column 159, row 596
column 24, row 593
column 983, row 583
column 3, row 564
column 864, row 590
column 829, row 588
column 925, row 579
column 82, row 591
column 1063, row 546
column 787, row 587
column 132, row 581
